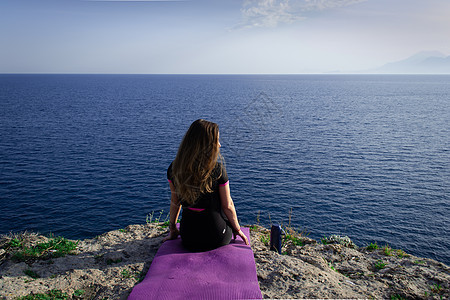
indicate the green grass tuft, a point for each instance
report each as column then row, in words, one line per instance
column 387, row 250
column 254, row 228
column 436, row 288
column 332, row 267
column 54, row 247
column 152, row 219
column 372, row 246
column 296, row 237
column 379, row 265
column 78, row 293
column 265, row 239
column 296, row 240
column 15, row 243
column 165, row 224
column 401, row 253
column 125, row 273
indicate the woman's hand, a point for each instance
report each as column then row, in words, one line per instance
column 175, row 208
column 173, row 234
column 242, row 235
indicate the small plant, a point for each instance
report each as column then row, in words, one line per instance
column 15, row 243
column 31, row 273
column 419, row 262
column 122, row 230
column 294, row 236
column 78, row 293
column 54, row 247
column 372, row 246
column 165, row 224
column 337, row 239
column 397, row 297
column 295, row 240
column 254, row 228
column 150, row 218
column 401, row 253
column 157, row 220
column 125, row 273
column 436, row 288
column 387, row 250
column 50, row 295
column 379, row 265
column 265, row 239
column 332, row 267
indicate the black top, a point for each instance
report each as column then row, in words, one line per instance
column 207, row 200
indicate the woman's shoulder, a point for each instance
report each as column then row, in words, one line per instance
column 220, row 167
column 220, row 172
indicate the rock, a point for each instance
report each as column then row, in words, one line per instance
column 2, row 254
column 110, row 266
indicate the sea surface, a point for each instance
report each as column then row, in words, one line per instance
column 366, row 156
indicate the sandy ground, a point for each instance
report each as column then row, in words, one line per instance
column 110, row 265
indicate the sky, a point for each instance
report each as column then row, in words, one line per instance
column 217, row 37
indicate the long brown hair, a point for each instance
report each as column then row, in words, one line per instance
column 195, row 161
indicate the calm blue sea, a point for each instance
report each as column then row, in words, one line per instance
column 366, row 156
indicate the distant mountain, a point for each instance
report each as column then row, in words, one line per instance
column 431, row 62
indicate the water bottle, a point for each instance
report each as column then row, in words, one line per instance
column 275, row 238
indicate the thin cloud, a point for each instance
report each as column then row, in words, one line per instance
column 270, row 13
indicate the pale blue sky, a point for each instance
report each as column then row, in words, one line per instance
column 210, row 36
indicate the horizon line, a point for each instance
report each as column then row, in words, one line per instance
column 219, row 74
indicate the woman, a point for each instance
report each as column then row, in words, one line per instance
column 199, row 184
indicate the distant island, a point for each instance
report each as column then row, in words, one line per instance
column 427, row 62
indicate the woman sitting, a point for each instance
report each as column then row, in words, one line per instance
column 199, row 183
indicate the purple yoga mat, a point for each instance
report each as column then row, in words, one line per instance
column 228, row 272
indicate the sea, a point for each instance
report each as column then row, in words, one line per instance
column 366, row 156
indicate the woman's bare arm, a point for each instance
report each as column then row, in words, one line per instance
column 230, row 211
column 175, row 207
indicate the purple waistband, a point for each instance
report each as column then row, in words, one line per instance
column 196, row 209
